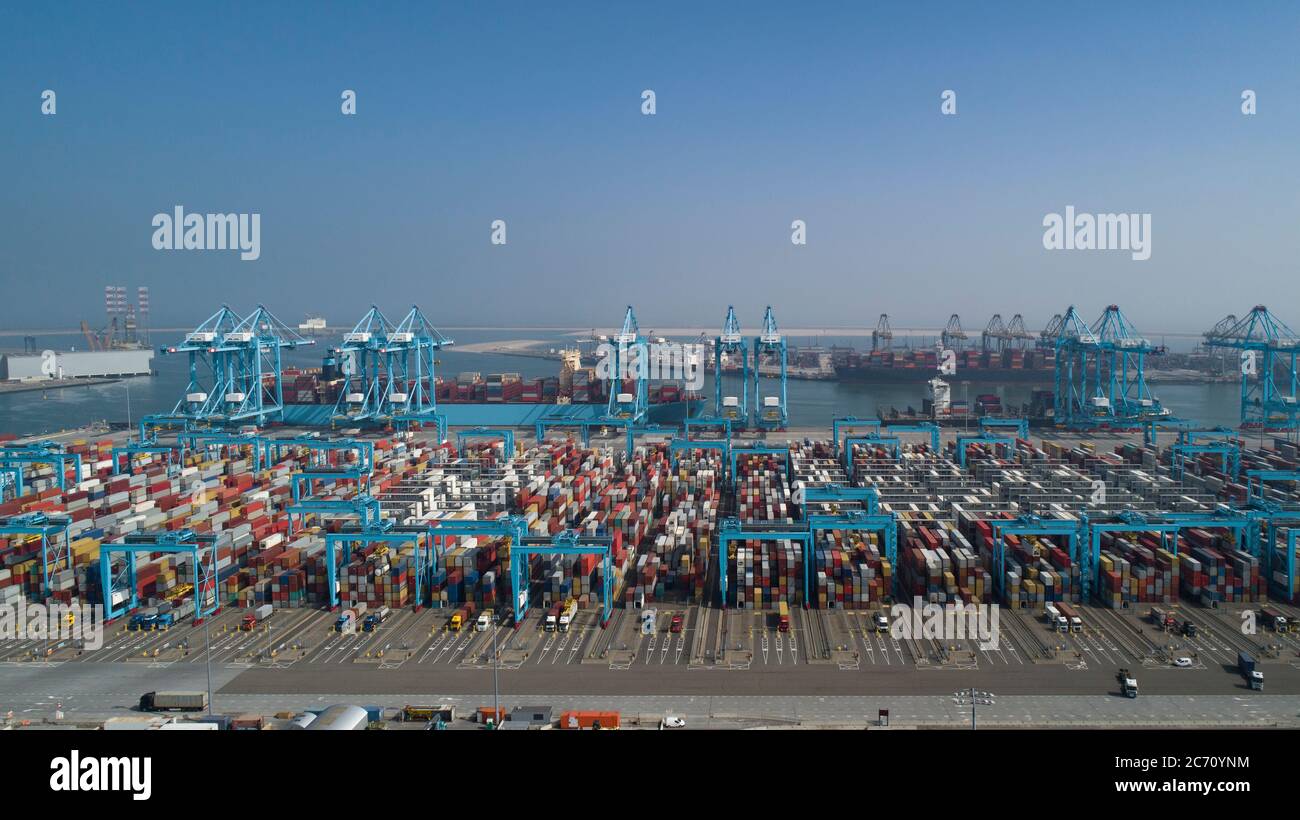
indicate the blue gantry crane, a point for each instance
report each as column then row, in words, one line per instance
column 381, row 531
column 964, row 443
column 1101, row 373
column 506, row 435
column 1229, row 451
column 1255, row 480
column 124, row 455
column 733, row 529
column 209, row 440
column 47, row 526
column 850, row 424
column 235, row 368
column 14, row 457
column 320, row 450
column 118, row 582
column 1026, row 525
column 927, row 427
column 629, row 359
column 389, row 370
column 729, row 343
column 363, row 507
column 989, row 424
column 770, row 412
column 1268, row 348
column 565, row 542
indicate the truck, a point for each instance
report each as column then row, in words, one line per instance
column 675, row 625
column 552, row 619
column 1054, row 617
column 1188, row 629
column 1274, row 620
column 1128, row 684
column 1073, row 621
column 374, row 619
column 173, row 701
column 350, row 617
column 484, row 621
column 257, row 616
column 1163, row 618
column 567, row 614
column 461, row 617
column 882, row 623
column 783, row 617
column 1254, row 677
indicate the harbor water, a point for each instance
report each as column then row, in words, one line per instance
column 811, row 403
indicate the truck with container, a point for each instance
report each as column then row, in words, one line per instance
column 1246, row 666
column 783, row 617
column 551, row 621
column 173, row 701
column 1163, row 618
column 1055, row 619
column 1128, row 685
column 374, row 619
column 1071, row 616
column 250, row 620
column 484, row 621
column 1274, row 620
column 349, row 617
column 461, row 618
column 567, row 614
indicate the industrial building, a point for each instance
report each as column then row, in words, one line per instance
column 79, row 364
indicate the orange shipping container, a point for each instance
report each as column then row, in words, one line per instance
column 589, row 720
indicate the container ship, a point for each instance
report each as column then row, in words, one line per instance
column 920, row 365
column 501, row 399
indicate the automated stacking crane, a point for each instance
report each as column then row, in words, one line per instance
column 235, row 371
column 732, row 409
column 207, row 440
column 121, row 593
column 383, row 531
column 770, row 412
column 389, row 370
column 46, row 526
column 1267, row 347
column 565, row 542
column 1100, row 373
column 629, row 356
column 124, row 455
column 13, row 457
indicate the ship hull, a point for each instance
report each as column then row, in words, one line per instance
column 503, row 414
column 920, row 375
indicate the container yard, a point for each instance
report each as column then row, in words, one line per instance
column 383, row 529
column 779, row 556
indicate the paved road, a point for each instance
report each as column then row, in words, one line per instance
column 806, row 696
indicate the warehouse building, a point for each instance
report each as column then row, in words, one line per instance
column 76, row 364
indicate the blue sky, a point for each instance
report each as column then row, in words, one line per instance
column 530, row 113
